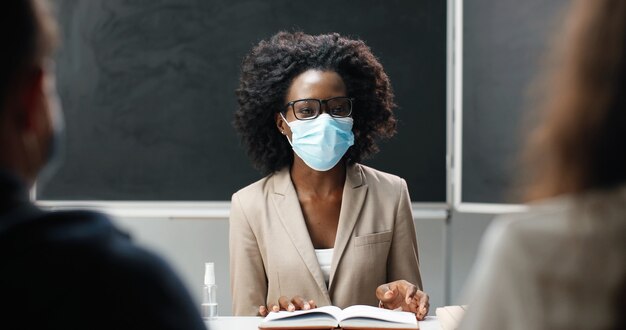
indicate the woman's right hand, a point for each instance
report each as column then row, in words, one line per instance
column 405, row 296
column 284, row 304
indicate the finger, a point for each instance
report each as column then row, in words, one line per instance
column 411, row 290
column 424, row 300
column 426, row 309
column 423, row 307
column 380, row 291
column 312, row 304
column 413, row 306
column 300, row 303
column 387, row 292
column 284, row 304
column 390, row 295
column 263, row 311
column 274, row 308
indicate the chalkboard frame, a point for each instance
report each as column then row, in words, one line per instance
column 457, row 131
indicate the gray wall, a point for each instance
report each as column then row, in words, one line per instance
column 466, row 230
column 187, row 244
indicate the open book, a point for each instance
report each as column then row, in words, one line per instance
column 331, row 317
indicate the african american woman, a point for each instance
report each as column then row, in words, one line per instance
column 320, row 228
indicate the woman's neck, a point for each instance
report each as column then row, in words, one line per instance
column 309, row 181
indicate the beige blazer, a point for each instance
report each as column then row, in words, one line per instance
column 271, row 253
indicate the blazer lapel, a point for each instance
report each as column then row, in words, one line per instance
column 288, row 209
column 354, row 192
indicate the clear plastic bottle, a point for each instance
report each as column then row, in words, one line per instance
column 209, row 292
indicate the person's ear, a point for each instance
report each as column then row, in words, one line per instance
column 282, row 126
column 32, row 103
column 28, row 116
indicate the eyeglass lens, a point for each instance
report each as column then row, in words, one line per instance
column 336, row 107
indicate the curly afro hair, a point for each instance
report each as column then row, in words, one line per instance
column 268, row 71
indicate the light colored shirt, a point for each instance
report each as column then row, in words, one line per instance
column 560, row 266
column 325, row 258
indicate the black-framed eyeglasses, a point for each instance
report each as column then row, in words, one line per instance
column 307, row 109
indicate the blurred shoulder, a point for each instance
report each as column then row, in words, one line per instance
column 96, row 239
column 545, row 217
column 527, row 237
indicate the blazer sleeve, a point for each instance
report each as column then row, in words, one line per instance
column 248, row 282
column 403, row 260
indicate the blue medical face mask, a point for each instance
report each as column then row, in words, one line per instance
column 321, row 142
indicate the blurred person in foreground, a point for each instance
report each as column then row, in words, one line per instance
column 562, row 264
column 69, row 269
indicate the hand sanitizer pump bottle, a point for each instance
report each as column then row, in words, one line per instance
column 209, row 292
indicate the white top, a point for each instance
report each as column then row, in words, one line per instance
column 325, row 258
column 559, row 266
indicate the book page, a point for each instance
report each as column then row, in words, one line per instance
column 363, row 311
column 332, row 311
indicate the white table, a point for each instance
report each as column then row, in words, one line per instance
column 252, row 323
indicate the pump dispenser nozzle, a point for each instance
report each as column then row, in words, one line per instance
column 209, row 273
column 209, row 292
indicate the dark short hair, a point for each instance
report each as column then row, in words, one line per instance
column 268, row 71
column 27, row 35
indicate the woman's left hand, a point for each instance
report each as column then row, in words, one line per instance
column 403, row 295
column 284, row 304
